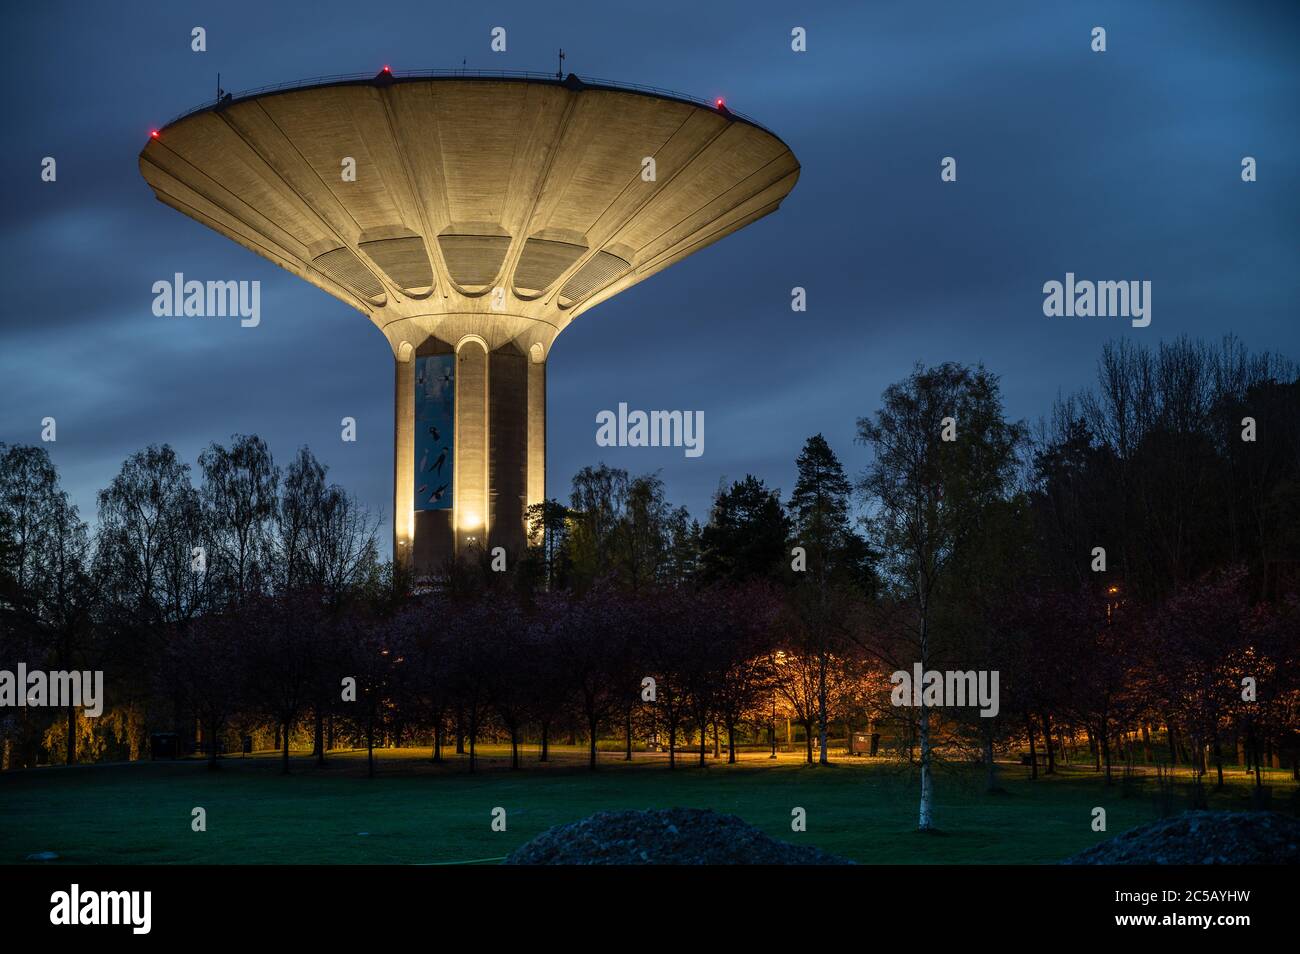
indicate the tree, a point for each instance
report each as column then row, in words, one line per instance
column 69, row 599
column 746, row 535
column 467, row 626
column 283, row 658
column 928, row 494
column 342, row 550
column 682, row 557
column 379, row 659
column 205, row 666
column 667, row 616
column 596, row 508
column 742, row 621
column 819, row 512
column 795, row 677
column 1192, row 646
column 297, row 514
column 641, row 537
column 150, row 524
column 508, row 666
column 239, row 498
column 324, row 539
column 547, row 683
column 429, row 637
column 548, row 548
column 618, row 528
column 52, row 596
column 589, row 641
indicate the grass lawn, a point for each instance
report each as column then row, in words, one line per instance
column 417, row 813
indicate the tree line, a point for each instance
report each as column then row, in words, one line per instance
column 1129, row 565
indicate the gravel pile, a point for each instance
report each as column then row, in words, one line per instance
column 674, row 836
column 1202, row 838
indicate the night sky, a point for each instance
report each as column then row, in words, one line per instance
column 1115, row 166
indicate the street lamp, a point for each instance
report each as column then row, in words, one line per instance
column 771, row 728
column 779, row 659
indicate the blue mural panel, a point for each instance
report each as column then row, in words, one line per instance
column 435, row 417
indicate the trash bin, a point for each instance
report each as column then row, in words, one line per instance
column 248, row 745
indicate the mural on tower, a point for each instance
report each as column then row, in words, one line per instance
column 435, row 397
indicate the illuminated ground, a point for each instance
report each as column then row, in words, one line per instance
column 416, row 813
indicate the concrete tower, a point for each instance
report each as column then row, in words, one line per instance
column 471, row 218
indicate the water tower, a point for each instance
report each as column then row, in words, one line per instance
column 471, row 217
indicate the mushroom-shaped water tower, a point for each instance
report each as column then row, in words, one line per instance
column 471, row 217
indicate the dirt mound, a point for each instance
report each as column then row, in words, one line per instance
column 1202, row 838
column 674, row 836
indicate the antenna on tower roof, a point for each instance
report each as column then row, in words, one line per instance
column 559, row 73
column 223, row 98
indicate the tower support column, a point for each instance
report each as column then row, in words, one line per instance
column 487, row 451
column 536, row 428
column 470, row 496
column 404, row 456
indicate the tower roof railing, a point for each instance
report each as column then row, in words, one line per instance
column 345, row 79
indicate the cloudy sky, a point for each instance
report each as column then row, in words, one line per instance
column 1120, row 165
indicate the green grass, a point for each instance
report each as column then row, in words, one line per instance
column 416, row 813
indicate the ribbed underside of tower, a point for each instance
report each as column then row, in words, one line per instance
column 471, row 219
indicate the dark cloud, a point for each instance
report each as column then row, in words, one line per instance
column 1119, row 165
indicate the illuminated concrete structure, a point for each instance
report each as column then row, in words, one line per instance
column 485, row 213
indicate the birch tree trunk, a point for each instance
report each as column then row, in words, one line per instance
column 925, row 821
column 821, row 706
